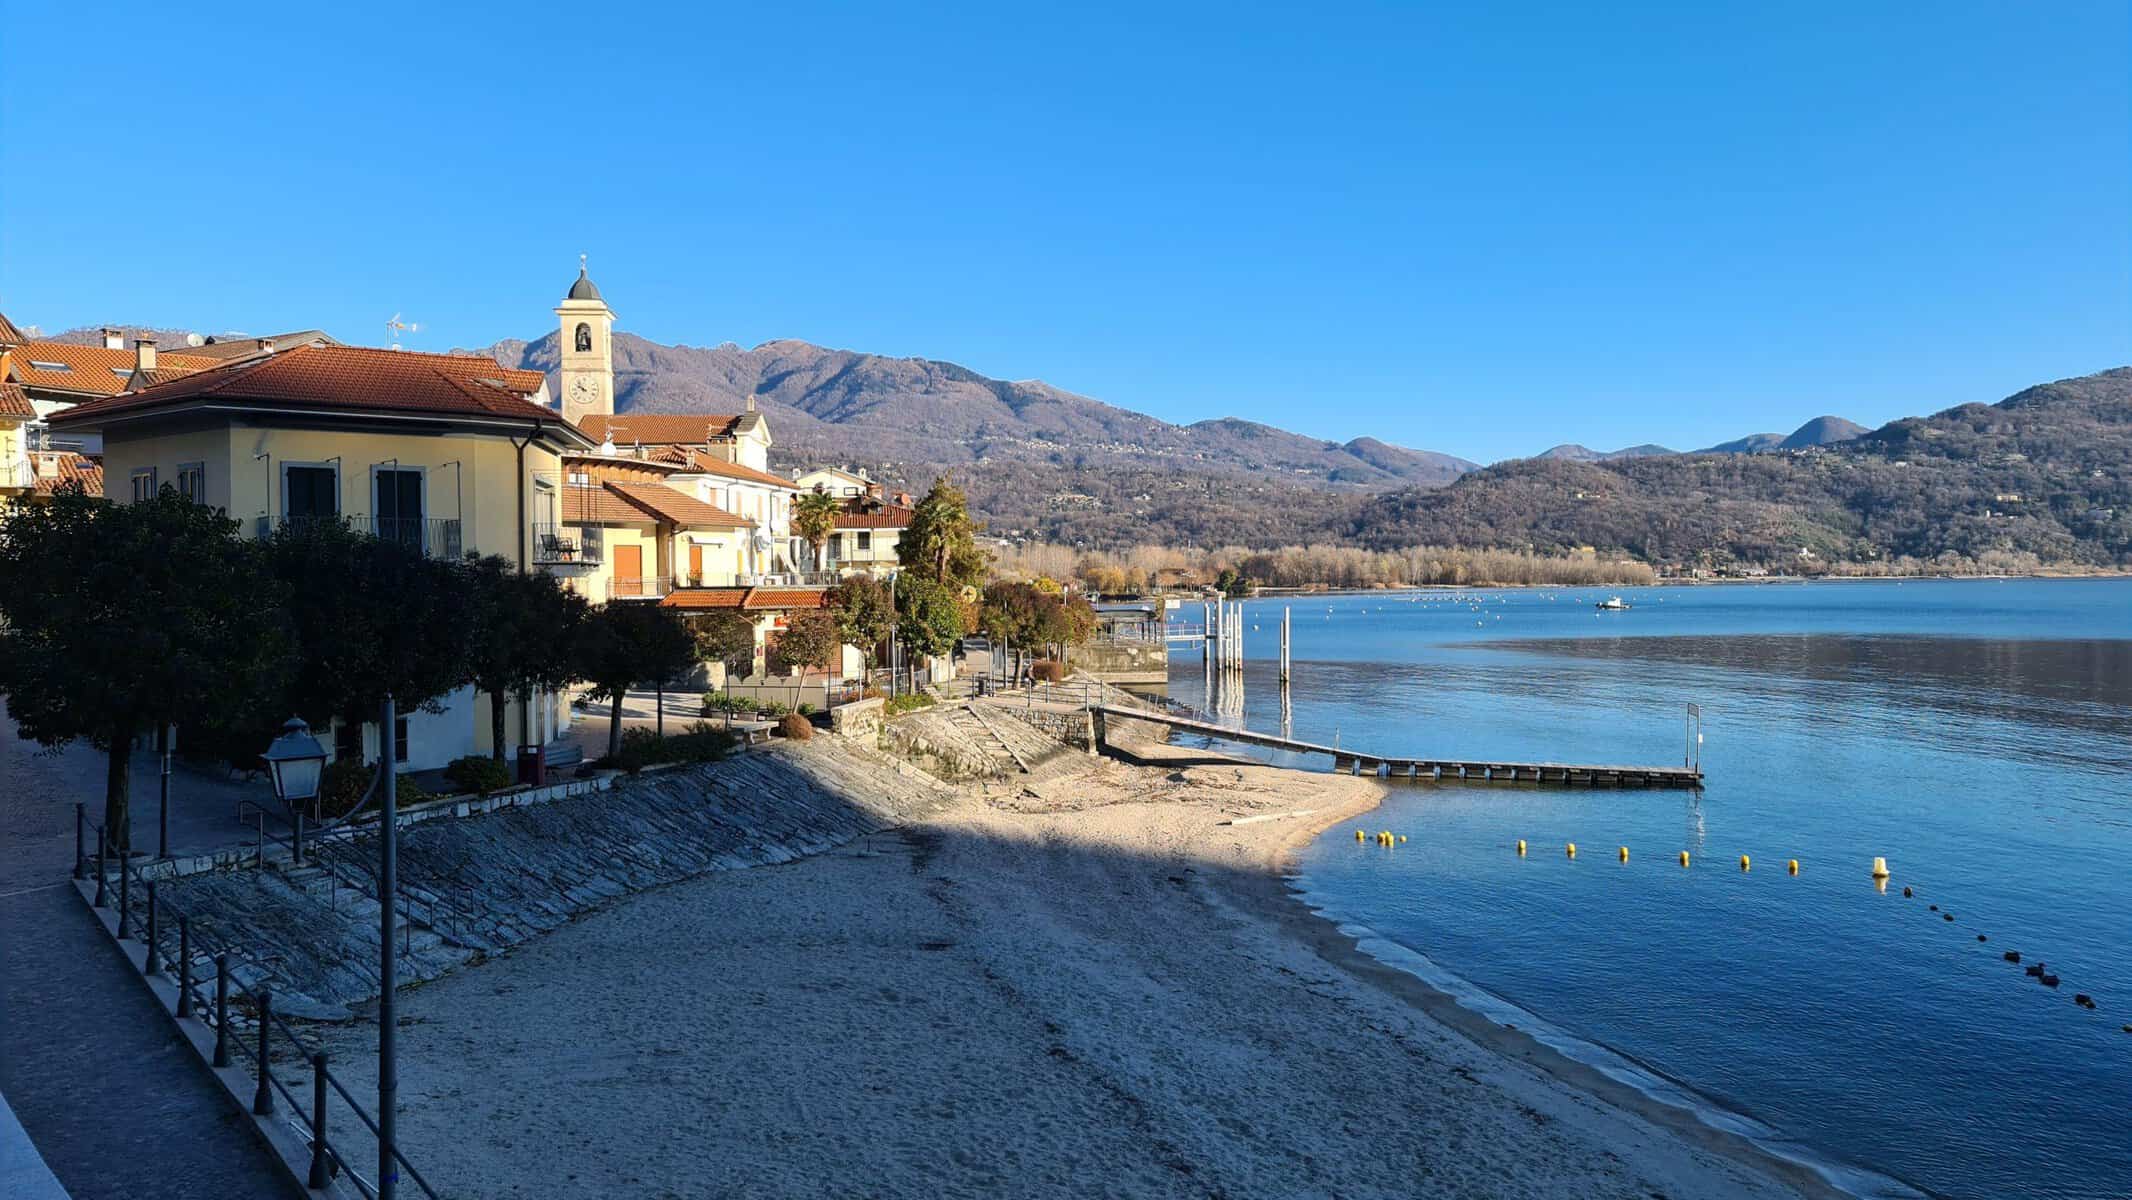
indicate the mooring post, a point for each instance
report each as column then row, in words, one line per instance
column 222, row 1009
column 149, row 964
column 125, row 899
column 263, row 1096
column 81, row 818
column 103, row 898
column 319, row 1175
column 184, row 965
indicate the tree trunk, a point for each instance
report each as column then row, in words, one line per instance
column 496, row 703
column 118, row 775
column 614, row 723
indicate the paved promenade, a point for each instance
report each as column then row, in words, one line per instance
column 110, row 1096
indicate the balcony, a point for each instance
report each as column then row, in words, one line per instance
column 650, row 588
column 16, row 475
column 566, row 545
column 434, row 537
column 790, row 579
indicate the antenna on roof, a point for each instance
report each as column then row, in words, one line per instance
column 394, row 327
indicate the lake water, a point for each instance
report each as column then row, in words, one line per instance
column 1978, row 734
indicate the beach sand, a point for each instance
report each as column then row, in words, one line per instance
column 1092, row 986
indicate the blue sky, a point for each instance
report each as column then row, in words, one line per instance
column 1481, row 228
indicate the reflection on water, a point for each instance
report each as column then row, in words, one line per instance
column 1978, row 735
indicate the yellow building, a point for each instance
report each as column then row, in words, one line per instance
column 450, row 454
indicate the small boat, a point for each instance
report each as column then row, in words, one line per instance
column 1612, row 604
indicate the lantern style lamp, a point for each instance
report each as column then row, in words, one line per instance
column 296, row 761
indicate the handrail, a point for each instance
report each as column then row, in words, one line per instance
column 195, row 943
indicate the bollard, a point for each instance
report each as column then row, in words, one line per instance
column 1624, row 854
column 1684, row 858
column 81, row 861
column 319, row 1175
column 1743, row 862
column 149, row 961
column 263, row 1098
column 184, row 965
column 1792, row 866
column 222, row 1010
column 125, row 900
column 1880, row 868
column 103, row 899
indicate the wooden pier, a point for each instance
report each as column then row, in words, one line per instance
column 1357, row 763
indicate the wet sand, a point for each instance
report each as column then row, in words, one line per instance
column 1097, row 985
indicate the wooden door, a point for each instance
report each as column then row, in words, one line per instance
column 695, row 563
column 629, row 570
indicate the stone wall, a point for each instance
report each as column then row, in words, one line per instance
column 860, row 720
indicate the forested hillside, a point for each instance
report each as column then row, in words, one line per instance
column 2038, row 479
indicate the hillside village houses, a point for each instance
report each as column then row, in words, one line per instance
column 452, row 454
column 870, row 525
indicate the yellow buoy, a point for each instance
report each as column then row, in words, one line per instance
column 1358, row 835
column 1684, row 858
column 1402, row 837
column 1521, row 847
column 1792, row 866
column 1743, row 862
column 1573, row 849
column 1880, row 868
column 1624, row 854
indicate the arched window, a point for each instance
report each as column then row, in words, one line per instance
column 584, row 337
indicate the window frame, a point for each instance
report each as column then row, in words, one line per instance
column 288, row 465
column 138, row 474
column 197, row 493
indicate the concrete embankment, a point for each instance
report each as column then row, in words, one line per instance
column 476, row 886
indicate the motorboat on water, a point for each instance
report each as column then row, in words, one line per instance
column 1612, row 604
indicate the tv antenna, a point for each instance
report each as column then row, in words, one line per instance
column 396, row 326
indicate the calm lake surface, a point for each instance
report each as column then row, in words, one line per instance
column 1978, row 734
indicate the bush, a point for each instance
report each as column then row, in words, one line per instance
column 642, row 748
column 1045, row 670
column 907, row 702
column 796, row 727
column 343, row 783
column 805, row 709
column 478, row 773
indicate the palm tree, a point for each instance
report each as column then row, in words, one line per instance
column 814, row 519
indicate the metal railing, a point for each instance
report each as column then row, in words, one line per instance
column 214, row 1009
column 790, row 579
column 648, row 588
column 15, row 474
column 434, row 537
column 566, row 545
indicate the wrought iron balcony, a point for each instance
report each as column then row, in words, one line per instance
column 434, row 537
column 648, row 588
column 566, row 545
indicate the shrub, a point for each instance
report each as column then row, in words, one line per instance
column 907, row 702
column 1046, row 670
column 343, row 783
column 805, row 709
column 642, row 748
column 796, row 727
column 478, row 773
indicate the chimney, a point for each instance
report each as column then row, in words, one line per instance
column 266, row 345
column 47, row 466
column 114, row 338
column 144, row 354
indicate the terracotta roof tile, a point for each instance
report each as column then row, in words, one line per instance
column 68, row 467
column 751, row 599
column 659, row 429
column 714, row 466
column 94, row 370
column 349, row 379
column 14, row 402
column 9, row 335
column 672, row 504
column 883, row 518
column 727, row 597
column 594, row 504
column 766, row 597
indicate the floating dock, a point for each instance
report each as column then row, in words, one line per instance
column 1353, row 762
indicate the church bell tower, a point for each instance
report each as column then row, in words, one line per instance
column 587, row 384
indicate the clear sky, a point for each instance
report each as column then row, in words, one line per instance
column 1478, row 228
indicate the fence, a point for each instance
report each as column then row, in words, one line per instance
column 327, row 1159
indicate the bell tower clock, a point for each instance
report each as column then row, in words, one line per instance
column 587, row 383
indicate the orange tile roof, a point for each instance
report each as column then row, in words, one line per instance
column 659, row 429
column 716, row 466
column 765, row 597
column 9, row 335
column 725, row 597
column 888, row 517
column 14, row 402
column 593, row 504
column 69, row 468
column 677, row 506
column 349, row 379
column 93, row 370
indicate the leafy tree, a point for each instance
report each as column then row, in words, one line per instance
column 865, row 612
column 929, row 617
column 623, row 644
column 809, row 639
column 940, row 544
column 725, row 637
column 371, row 617
column 814, row 519
column 119, row 619
column 523, row 628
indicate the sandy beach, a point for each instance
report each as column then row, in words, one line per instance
column 1094, row 985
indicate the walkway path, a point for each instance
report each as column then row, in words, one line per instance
column 113, row 1100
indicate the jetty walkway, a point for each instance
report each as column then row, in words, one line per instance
column 1356, row 762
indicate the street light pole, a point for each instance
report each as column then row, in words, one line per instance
column 388, row 892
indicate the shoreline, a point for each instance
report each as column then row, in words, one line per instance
column 1287, row 593
column 1284, row 902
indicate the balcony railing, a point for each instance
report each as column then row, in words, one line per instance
column 16, row 475
column 650, row 588
column 435, row 537
column 790, row 579
column 566, row 545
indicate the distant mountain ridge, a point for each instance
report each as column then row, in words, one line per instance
column 1821, row 431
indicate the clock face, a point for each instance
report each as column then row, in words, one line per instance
column 584, row 390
